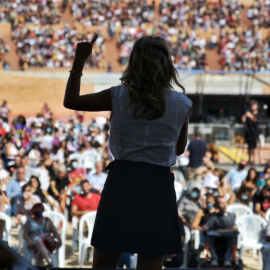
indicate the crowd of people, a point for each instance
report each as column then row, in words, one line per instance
column 50, row 47
column 39, row 44
column 246, row 50
column 258, row 13
column 24, row 11
column 61, row 165
column 201, row 13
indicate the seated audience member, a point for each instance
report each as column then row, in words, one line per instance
column 224, row 188
column 76, row 175
column 266, row 173
column 263, row 203
column 25, row 203
column 261, row 182
column 36, row 230
column 243, row 196
column 41, row 193
column 236, row 175
column 189, row 206
column 211, row 181
column 84, row 202
column 203, row 215
column 250, row 182
column 221, row 222
column 59, row 187
column 97, row 179
column 203, row 171
column 14, row 189
column 4, row 201
column 4, row 176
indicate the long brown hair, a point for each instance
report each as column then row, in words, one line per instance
column 150, row 70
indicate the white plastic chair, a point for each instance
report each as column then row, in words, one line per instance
column 178, row 190
column 47, row 207
column 235, row 187
column 267, row 215
column 187, row 239
column 84, row 242
column 239, row 210
column 75, row 222
column 250, row 227
column 57, row 219
column 7, row 220
column 90, row 157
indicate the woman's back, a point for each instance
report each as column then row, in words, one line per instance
column 138, row 139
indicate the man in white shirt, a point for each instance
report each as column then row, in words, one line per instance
column 97, row 179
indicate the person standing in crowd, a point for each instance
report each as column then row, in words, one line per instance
column 14, row 189
column 236, row 175
column 97, row 179
column 4, row 111
column 195, row 151
column 252, row 131
column 137, row 212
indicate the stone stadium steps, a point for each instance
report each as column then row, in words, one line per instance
column 112, row 55
column 244, row 20
column 12, row 57
column 212, row 59
column 66, row 16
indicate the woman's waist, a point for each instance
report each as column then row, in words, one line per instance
column 137, row 165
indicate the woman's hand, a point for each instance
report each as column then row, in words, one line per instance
column 84, row 49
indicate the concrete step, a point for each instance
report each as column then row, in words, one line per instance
column 12, row 57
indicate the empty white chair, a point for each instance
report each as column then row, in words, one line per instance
column 59, row 220
column 7, row 220
column 250, row 227
column 84, row 242
column 239, row 210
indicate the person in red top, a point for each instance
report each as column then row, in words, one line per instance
column 85, row 202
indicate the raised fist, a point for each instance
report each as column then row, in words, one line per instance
column 84, row 49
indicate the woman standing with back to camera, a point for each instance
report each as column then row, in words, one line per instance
column 137, row 212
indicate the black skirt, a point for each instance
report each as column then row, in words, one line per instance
column 137, row 212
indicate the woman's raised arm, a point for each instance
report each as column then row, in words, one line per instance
column 91, row 102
